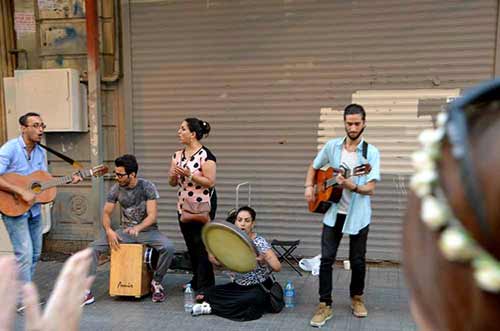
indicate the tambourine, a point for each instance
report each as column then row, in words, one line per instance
column 231, row 246
column 151, row 258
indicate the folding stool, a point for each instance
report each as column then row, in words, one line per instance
column 284, row 250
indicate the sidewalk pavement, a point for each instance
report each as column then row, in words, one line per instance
column 386, row 298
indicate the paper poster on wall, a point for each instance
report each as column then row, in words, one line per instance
column 24, row 22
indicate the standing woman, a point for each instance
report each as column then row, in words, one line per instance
column 193, row 170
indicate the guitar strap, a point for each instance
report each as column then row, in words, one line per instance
column 74, row 163
column 365, row 149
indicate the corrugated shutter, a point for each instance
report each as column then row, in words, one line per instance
column 261, row 71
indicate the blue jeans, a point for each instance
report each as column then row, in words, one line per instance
column 25, row 233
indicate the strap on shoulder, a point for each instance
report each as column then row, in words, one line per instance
column 365, row 149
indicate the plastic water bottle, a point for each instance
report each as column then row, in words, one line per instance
column 289, row 294
column 188, row 299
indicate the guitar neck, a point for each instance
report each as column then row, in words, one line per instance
column 330, row 182
column 64, row 180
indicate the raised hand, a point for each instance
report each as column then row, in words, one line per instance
column 64, row 308
column 8, row 292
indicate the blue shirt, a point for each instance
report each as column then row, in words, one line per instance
column 14, row 158
column 360, row 211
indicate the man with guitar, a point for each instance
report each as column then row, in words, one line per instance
column 23, row 156
column 356, row 167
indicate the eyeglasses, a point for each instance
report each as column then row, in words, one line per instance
column 119, row 175
column 37, row 126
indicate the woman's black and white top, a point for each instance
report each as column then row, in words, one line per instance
column 259, row 274
column 189, row 190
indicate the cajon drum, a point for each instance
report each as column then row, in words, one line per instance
column 129, row 275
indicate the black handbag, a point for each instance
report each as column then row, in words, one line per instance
column 275, row 296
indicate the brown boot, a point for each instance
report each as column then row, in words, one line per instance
column 358, row 306
column 322, row 314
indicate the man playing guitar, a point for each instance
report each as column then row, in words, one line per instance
column 23, row 155
column 350, row 215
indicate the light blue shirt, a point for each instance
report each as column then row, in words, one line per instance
column 14, row 158
column 360, row 211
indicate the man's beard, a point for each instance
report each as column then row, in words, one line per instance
column 357, row 136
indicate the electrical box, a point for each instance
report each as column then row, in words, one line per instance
column 56, row 94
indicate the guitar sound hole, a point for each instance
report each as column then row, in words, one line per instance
column 36, row 187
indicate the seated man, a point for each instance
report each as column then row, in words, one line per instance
column 138, row 200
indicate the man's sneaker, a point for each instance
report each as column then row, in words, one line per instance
column 158, row 292
column 358, row 306
column 201, row 309
column 88, row 298
column 323, row 313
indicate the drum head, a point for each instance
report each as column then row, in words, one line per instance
column 230, row 246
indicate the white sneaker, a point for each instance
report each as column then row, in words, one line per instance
column 201, row 309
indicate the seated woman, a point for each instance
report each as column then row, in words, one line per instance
column 244, row 299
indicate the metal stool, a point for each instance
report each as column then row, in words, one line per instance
column 284, row 250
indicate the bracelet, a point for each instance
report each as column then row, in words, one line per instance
column 355, row 190
column 190, row 177
column 311, row 185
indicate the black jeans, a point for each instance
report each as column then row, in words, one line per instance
column 203, row 273
column 330, row 240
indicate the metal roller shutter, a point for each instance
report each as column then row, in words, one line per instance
column 267, row 74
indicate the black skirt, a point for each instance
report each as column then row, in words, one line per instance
column 237, row 302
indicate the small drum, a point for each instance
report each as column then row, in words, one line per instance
column 230, row 246
column 151, row 258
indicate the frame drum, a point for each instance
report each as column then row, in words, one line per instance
column 230, row 246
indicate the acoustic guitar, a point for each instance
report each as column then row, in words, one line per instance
column 326, row 188
column 40, row 183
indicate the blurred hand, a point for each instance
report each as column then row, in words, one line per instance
column 8, row 292
column 133, row 230
column 28, row 196
column 214, row 260
column 261, row 259
column 113, row 239
column 309, row 193
column 76, row 178
column 64, row 307
column 171, row 172
column 180, row 171
column 340, row 179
